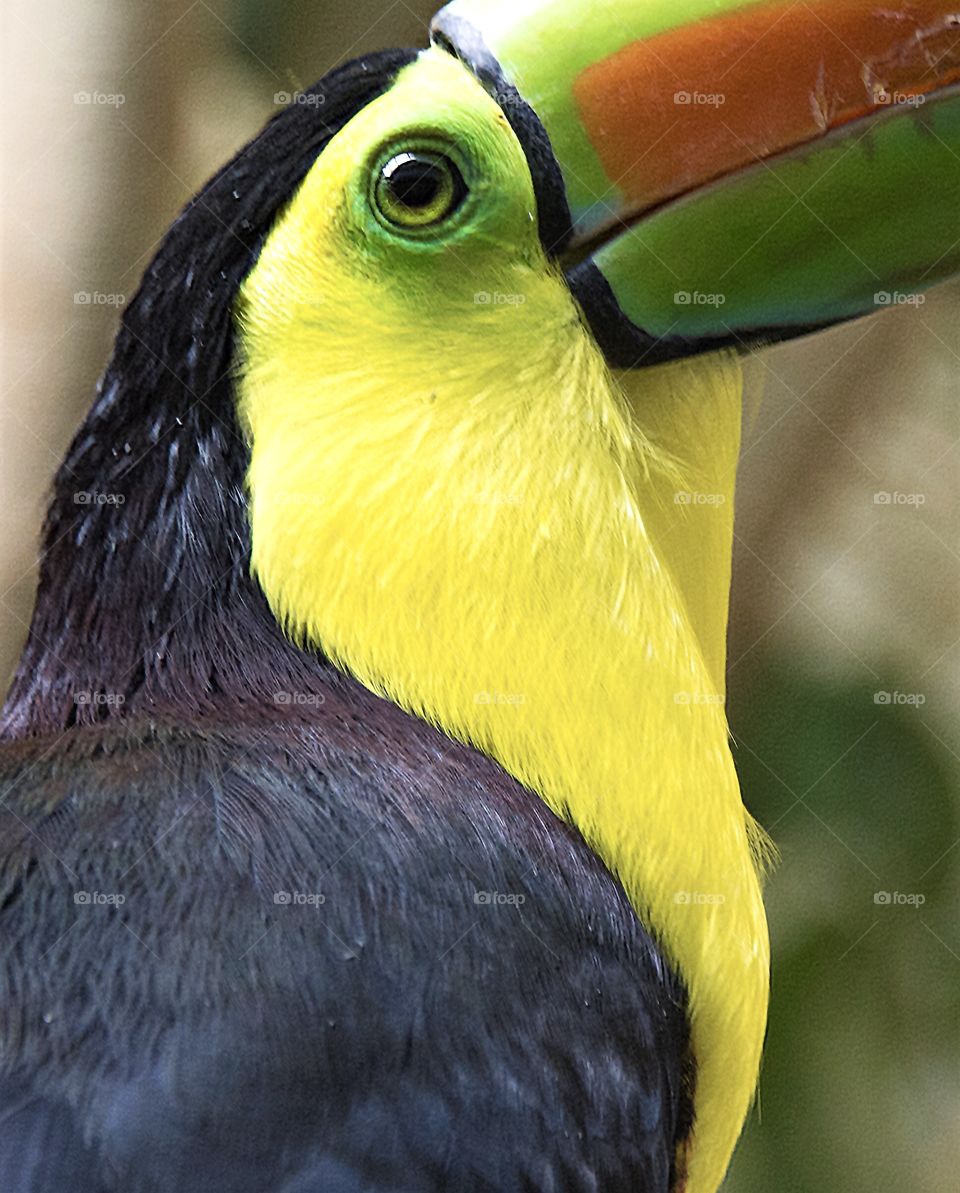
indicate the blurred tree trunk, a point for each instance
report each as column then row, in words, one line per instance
column 81, row 200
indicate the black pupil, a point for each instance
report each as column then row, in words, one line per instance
column 416, row 182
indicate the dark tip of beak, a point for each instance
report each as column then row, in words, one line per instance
column 626, row 346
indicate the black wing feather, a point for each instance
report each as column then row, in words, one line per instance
column 381, row 1029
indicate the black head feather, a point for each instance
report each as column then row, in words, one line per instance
column 145, row 598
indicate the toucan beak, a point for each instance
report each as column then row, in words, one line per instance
column 717, row 173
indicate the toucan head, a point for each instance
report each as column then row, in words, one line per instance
column 447, row 359
column 552, row 200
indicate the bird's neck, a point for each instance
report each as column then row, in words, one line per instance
column 145, row 605
column 145, row 597
column 545, row 576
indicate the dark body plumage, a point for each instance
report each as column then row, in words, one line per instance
column 385, row 1028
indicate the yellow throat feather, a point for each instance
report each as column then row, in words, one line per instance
column 457, row 501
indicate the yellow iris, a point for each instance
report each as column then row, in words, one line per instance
column 417, row 188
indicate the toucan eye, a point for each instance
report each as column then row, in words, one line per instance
column 417, row 188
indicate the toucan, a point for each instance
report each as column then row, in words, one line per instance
column 369, row 817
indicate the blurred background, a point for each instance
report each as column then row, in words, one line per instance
column 845, row 633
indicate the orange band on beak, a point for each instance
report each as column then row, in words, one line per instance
column 669, row 113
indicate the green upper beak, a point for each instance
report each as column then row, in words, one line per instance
column 714, row 172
